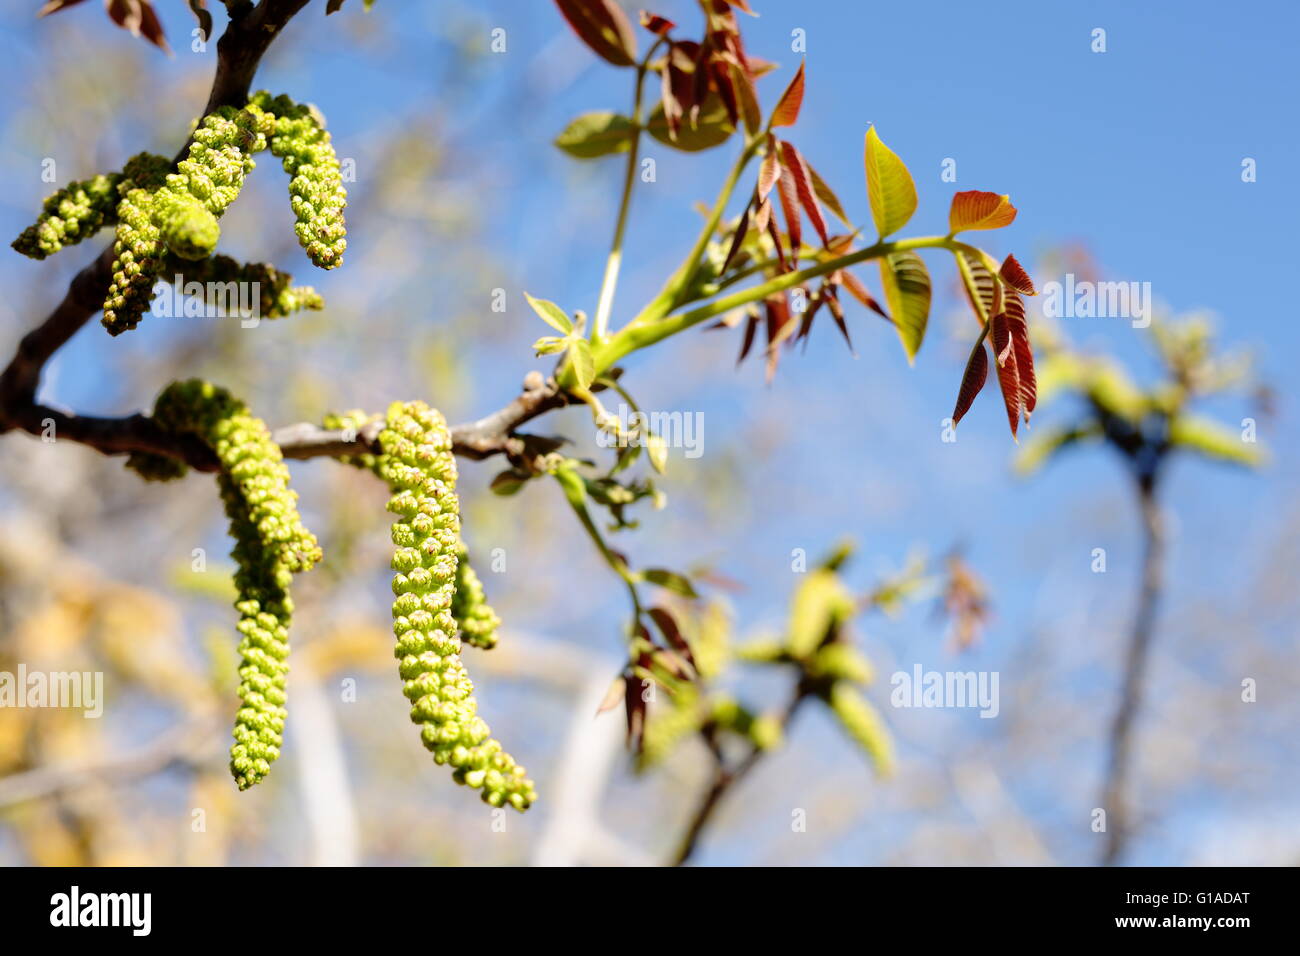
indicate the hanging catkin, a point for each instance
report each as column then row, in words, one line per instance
column 271, row 544
column 418, row 465
column 316, row 190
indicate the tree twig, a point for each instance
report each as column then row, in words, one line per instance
column 1114, row 794
column 239, row 52
column 724, row 778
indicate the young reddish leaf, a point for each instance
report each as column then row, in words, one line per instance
column 972, row 381
column 889, row 186
column 720, row 74
column 1023, row 353
column 655, row 23
column 786, row 189
column 751, row 328
column 1014, row 275
column 906, row 282
column 763, row 215
column 672, row 633
column 634, row 705
column 832, row 296
column 672, row 108
column 858, row 289
column 748, row 97
column 775, row 236
column 1000, row 332
column 794, row 162
column 780, row 326
column 742, row 5
column 840, row 245
column 827, row 195
column 770, row 168
column 602, row 25
column 787, row 107
column 742, row 228
column 1008, row 378
column 616, row 692
column 979, row 210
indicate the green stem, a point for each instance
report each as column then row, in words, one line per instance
column 668, row 297
column 605, row 304
column 617, row 565
column 638, row 335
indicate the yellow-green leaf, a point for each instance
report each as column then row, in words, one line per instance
column 864, row 725
column 906, row 283
column 889, row 186
column 551, row 314
column 592, row 135
column 820, row 601
column 1213, row 440
column 580, row 359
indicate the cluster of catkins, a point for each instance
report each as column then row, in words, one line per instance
column 418, row 465
column 167, row 221
column 271, row 544
column 439, row 600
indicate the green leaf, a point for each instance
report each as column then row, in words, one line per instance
column 597, row 134
column 572, row 484
column 712, row 128
column 551, row 314
column 1043, row 444
column 1213, row 440
column 889, row 186
column 840, row 660
column 863, row 724
column 509, row 482
column 677, row 583
column 584, row 366
column 820, row 602
column 549, row 344
column 907, row 292
column 656, row 450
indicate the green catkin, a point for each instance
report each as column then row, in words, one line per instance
column 75, row 212
column 316, row 190
column 271, row 544
column 418, row 465
column 80, row 209
column 477, row 621
column 276, row 297
column 180, row 215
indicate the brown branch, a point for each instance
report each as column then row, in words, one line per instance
column 1115, row 797
column 724, row 778
column 491, row 435
column 239, row 51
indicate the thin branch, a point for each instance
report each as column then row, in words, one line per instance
column 1115, row 798
column 239, row 51
column 724, row 778
column 493, row 434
